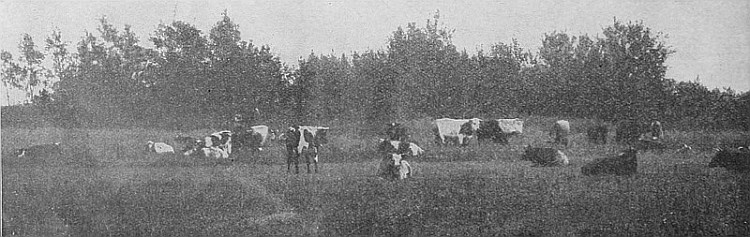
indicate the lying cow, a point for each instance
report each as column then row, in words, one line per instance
column 731, row 159
column 394, row 167
column 221, row 140
column 159, row 147
column 597, row 134
column 460, row 129
column 208, row 152
column 305, row 142
column 560, row 131
column 625, row 163
column 39, row 151
column 543, row 156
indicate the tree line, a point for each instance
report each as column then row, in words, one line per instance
column 191, row 78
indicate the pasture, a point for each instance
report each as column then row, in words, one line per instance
column 104, row 184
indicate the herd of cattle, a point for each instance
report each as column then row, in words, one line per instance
column 304, row 142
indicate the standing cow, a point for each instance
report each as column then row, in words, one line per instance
column 560, row 131
column 306, row 142
column 460, row 129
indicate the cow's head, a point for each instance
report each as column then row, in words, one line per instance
column 292, row 136
column 395, row 159
column 321, row 136
column 470, row 127
column 149, row 146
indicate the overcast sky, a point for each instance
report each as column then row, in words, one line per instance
column 711, row 37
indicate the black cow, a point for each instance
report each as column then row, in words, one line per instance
column 544, row 156
column 625, row 163
column 490, row 130
column 598, row 134
column 731, row 159
column 39, row 151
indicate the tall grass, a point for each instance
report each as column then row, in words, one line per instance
column 105, row 185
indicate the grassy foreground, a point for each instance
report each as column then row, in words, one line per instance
column 104, row 185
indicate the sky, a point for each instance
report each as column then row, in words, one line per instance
column 711, row 37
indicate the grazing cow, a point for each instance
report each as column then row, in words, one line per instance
column 543, row 156
column 394, row 167
column 254, row 138
column 221, row 139
column 731, row 159
column 597, row 134
column 490, row 130
column 397, row 132
column 159, row 147
column 560, row 131
column 42, row 150
column 628, row 131
column 307, row 141
column 625, row 163
column 460, row 129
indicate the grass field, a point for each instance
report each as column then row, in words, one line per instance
column 105, row 185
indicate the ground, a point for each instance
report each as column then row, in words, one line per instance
column 104, row 184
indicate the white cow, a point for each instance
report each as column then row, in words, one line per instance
column 460, row 129
column 159, row 147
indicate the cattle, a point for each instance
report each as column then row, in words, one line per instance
column 291, row 141
column 307, row 141
column 731, row 159
column 460, row 129
column 544, row 156
column 208, row 152
column 490, row 130
column 597, row 134
column 625, row 163
column 255, row 138
column 39, row 151
column 394, row 167
column 408, row 149
column 221, row 139
column 159, row 147
column 560, row 131
column 397, row 132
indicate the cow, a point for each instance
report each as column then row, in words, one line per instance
column 625, row 163
column 255, row 138
column 460, row 129
column 560, row 131
column 208, row 152
column 491, row 130
column 544, row 156
column 291, row 141
column 159, row 147
column 597, row 134
column 39, row 151
column 307, row 141
column 408, row 149
column 221, row 139
column 731, row 159
column 394, row 167
column 396, row 132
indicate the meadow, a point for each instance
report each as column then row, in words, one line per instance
column 104, row 184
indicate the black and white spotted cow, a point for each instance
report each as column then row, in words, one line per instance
column 305, row 141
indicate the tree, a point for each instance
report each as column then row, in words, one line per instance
column 32, row 68
column 12, row 74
